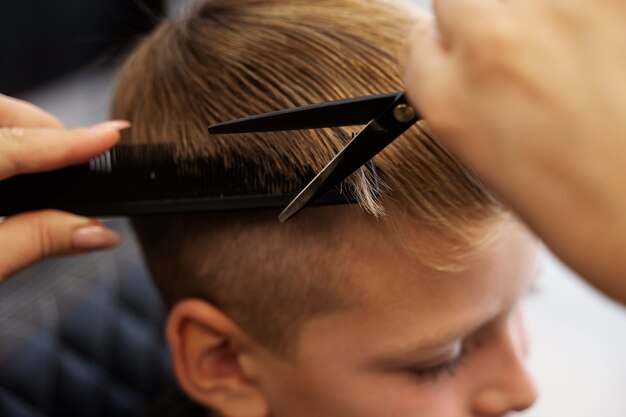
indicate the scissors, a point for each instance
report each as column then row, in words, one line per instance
column 387, row 116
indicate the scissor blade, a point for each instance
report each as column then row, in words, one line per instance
column 379, row 133
column 349, row 112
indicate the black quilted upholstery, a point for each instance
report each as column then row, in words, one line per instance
column 82, row 337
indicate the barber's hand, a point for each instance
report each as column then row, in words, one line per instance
column 32, row 140
column 531, row 94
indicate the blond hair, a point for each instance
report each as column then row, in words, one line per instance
column 232, row 58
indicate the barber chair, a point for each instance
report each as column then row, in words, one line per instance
column 83, row 336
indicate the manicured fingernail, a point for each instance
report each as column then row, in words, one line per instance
column 111, row 126
column 94, row 237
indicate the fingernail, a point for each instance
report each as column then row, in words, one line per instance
column 112, row 125
column 94, row 237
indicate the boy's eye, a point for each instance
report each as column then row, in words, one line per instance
column 435, row 372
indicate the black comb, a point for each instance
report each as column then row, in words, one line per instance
column 152, row 179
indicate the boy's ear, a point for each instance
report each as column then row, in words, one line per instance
column 208, row 353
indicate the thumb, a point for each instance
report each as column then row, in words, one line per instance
column 29, row 237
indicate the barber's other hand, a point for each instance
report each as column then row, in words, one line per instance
column 31, row 140
column 531, row 94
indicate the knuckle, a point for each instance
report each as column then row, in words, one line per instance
column 487, row 51
column 10, row 138
column 42, row 237
column 11, row 133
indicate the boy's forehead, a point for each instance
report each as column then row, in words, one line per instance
column 394, row 270
column 391, row 252
column 398, row 293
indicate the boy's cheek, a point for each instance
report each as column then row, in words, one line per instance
column 443, row 398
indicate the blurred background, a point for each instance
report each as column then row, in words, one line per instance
column 90, row 327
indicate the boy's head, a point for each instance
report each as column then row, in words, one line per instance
column 344, row 310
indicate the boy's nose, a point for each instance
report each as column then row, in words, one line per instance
column 508, row 385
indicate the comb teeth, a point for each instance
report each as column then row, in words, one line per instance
column 102, row 164
column 155, row 172
column 147, row 179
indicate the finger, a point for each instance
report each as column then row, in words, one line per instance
column 29, row 237
column 36, row 150
column 19, row 113
column 458, row 19
column 425, row 67
column 421, row 17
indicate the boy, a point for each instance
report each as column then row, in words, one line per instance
column 404, row 306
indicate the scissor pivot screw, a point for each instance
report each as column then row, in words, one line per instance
column 404, row 113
